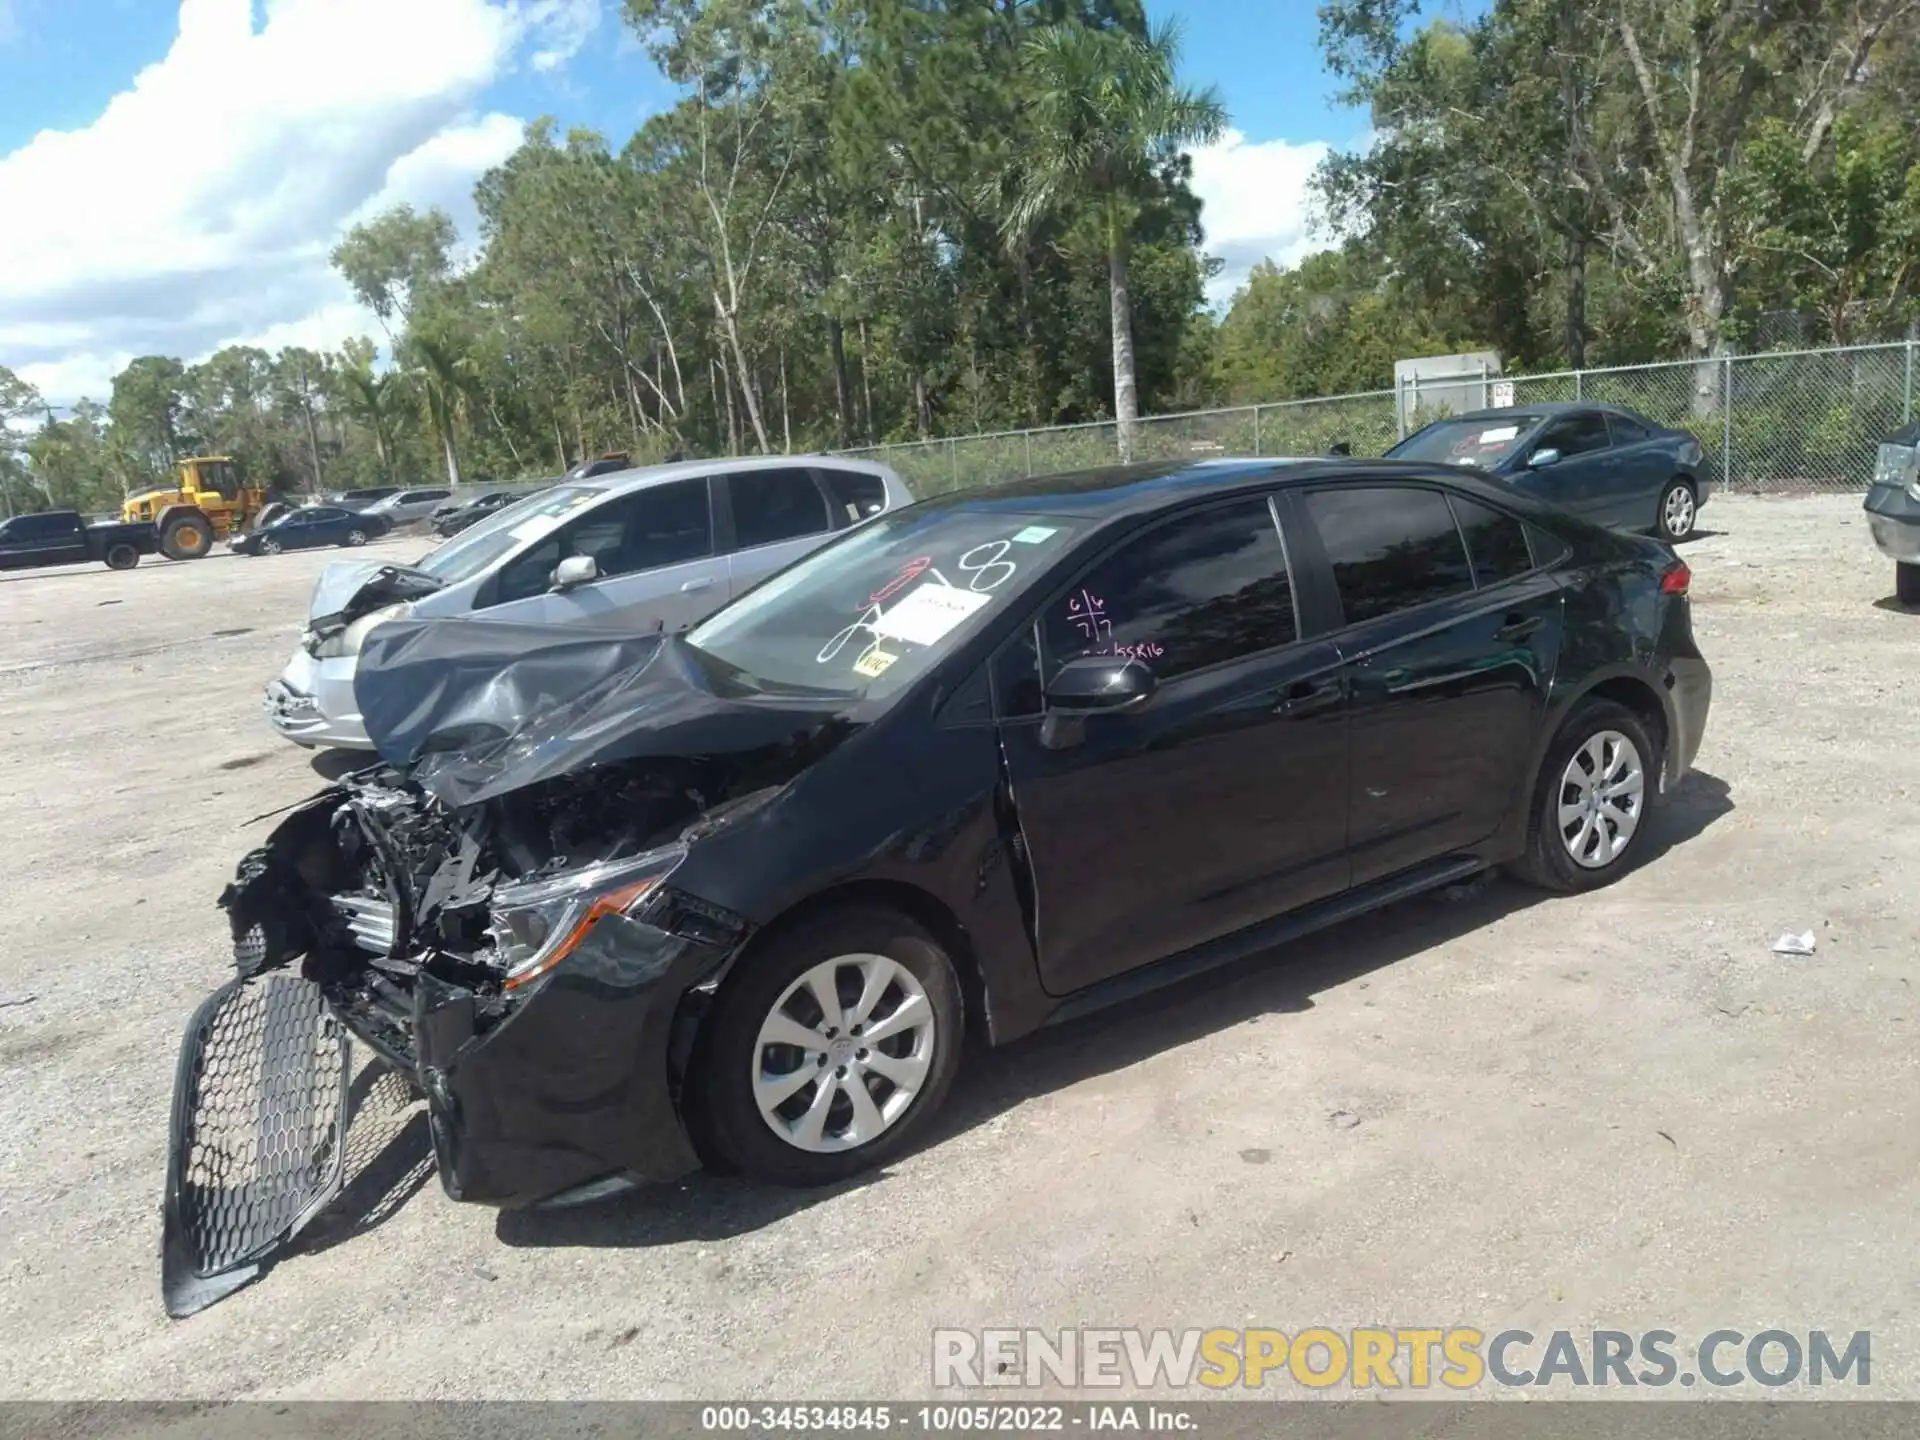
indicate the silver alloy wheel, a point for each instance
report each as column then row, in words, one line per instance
column 842, row 1053
column 1677, row 513
column 356, row 537
column 269, row 547
column 1602, row 794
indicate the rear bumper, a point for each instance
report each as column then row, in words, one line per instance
column 573, row 1085
column 1893, row 519
column 1689, row 688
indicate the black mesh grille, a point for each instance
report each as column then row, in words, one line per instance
column 260, row 1107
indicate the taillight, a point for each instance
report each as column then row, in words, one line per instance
column 1676, row 580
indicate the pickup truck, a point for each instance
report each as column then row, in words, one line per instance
column 60, row 537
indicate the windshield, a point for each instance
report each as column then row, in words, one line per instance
column 867, row 615
column 1484, row 442
column 482, row 543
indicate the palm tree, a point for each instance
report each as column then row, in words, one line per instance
column 445, row 382
column 1106, row 115
column 375, row 401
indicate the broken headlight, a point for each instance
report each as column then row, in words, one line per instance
column 538, row 924
column 348, row 639
column 1898, row 465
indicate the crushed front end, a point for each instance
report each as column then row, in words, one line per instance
column 523, row 961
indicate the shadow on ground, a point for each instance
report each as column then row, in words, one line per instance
column 707, row 1207
column 332, row 765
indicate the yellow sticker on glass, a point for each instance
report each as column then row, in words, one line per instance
column 873, row 662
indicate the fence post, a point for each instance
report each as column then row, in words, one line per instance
column 1908, row 414
column 1027, row 435
column 1726, row 421
column 953, row 465
column 1256, row 409
column 1579, row 385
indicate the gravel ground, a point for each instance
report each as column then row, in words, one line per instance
column 1618, row 1110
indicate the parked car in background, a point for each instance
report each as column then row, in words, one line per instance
column 403, row 507
column 599, row 465
column 358, row 499
column 61, row 537
column 1893, row 509
column 655, row 549
column 986, row 763
column 1601, row 462
column 311, row 527
column 451, row 519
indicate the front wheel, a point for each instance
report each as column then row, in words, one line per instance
column 1590, row 802
column 1678, row 511
column 269, row 546
column 832, row 1049
column 1906, row 582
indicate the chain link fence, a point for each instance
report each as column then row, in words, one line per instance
column 1776, row 423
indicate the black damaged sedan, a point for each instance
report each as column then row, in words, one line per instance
column 622, row 905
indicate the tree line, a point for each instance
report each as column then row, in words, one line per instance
column 876, row 220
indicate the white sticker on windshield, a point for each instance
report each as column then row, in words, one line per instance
column 1499, row 433
column 926, row 614
column 1035, row 534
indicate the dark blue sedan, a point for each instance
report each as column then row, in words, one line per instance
column 1605, row 464
column 310, row 527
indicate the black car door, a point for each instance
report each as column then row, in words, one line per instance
column 1219, row 803
column 1450, row 634
column 316, row 527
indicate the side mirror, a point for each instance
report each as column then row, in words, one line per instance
column 574, row 571
column 1542, row 458
column 1100, row 682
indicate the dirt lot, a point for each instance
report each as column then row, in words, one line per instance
column 1616, row 1111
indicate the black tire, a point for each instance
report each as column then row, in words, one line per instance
column 1906, row 582
column 1549, row 859
column 186, row 537
column 122, row 556
column 1674, row 521
column 721, row 1088
column 355, row 536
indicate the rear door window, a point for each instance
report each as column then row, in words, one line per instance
column 774, row 505
column 1390, row 548
column 1496, row 542
column 854, row 494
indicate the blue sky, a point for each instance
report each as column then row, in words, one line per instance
column 189, row 162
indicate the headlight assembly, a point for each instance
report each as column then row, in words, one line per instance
column 537, row 925
column 348, row 639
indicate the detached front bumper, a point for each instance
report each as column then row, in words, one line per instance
column 575, row 1083
column 312, row 703
column 1893, row 518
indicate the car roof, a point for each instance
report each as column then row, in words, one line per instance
column 641, row 477
column 1546, row 410
column 1115, row 492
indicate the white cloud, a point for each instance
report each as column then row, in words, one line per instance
column 567, row 26
column 200, row 207
column 1259, row 204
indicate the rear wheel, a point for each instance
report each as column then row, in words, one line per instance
column 356, row 536
column 832, row 1049
column 1678, row 511
column 1906, row 582
column 122, row 556
column 186, row 537
column 1590, row 801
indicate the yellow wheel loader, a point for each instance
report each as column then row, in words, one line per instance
column 212, row 504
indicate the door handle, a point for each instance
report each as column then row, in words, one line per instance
column 1308, row 697
column 1519, row 627
column 693, row 586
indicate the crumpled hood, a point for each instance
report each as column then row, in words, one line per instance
column 348, row 589
column 477, row 708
